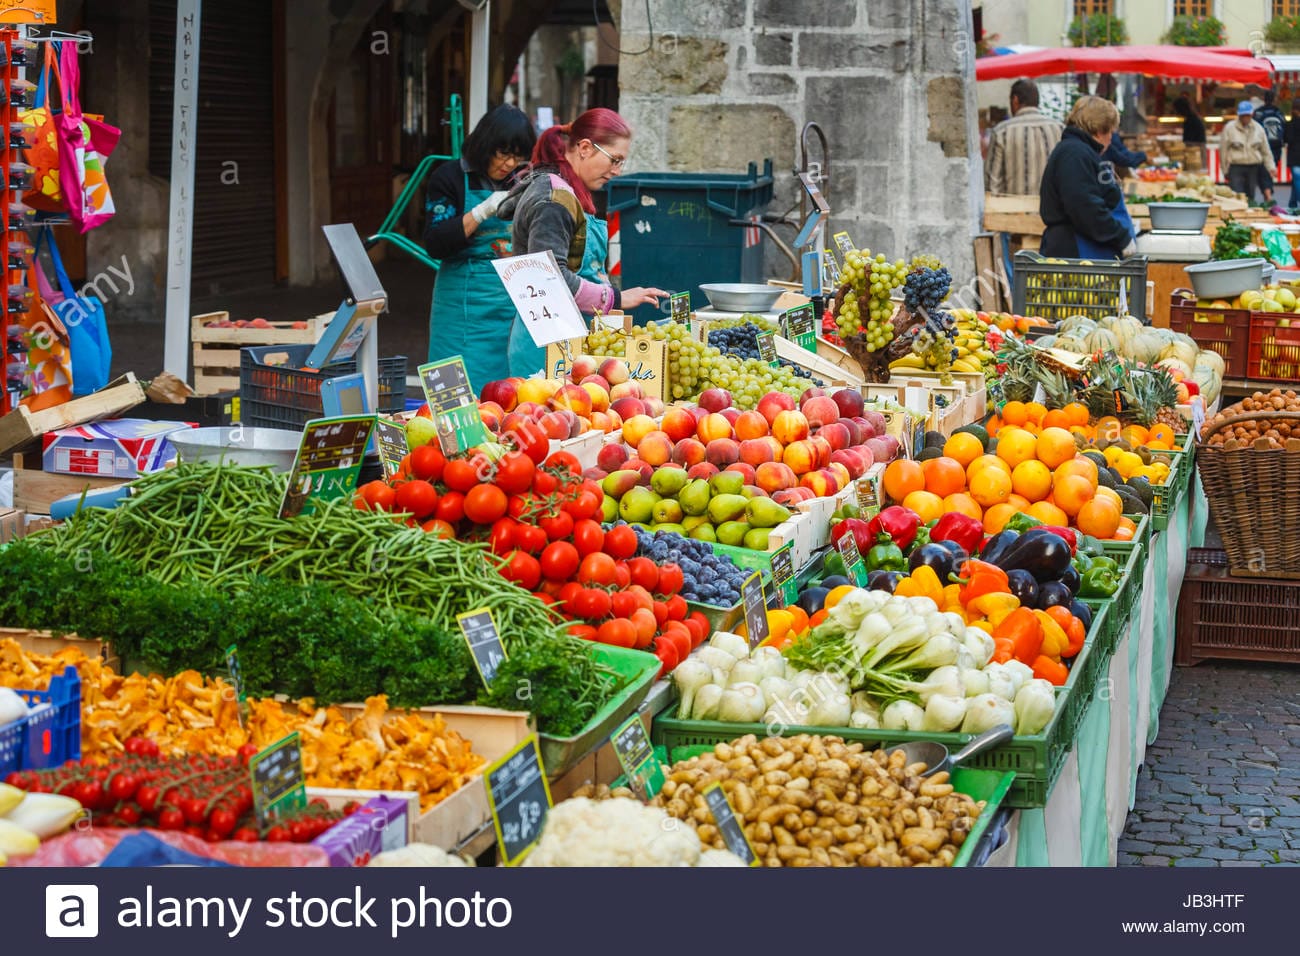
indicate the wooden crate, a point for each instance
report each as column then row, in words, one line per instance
column 22, row 428
column 35, row 489
column 1014, row 214
column 216, row 351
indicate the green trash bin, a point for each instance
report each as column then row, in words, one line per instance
column 672, row 230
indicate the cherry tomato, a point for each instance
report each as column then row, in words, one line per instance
column 560, row 561
column 451, row 507
column 530, row 538
column 515, row 472
column 597, row 568
column 544, row 482
column 417, row 498
column 484, row 504
column 531, row 439
column 132, row 746
column 700, row 627
column 171, row 819
column 459, row 475
column 620, row 542
column 646, row 626
column 246, row 753
column 622, row 604
column 195, row 810
column 523, row 569
column 566, row 460
column 660, row 610
column 558, row 526
column 618, row 632
column 223, row 821
column 588, row 536
column 677, row 609
column 502, row 538
column 122, row 786
column 676, row 632
column 129, row 814
column 89, row 793
column 567, row 595
column 622, row 576
column 644, row 572
column 300, row 831
column 378, row 495
column 246, row 835
column 439, row 528
column 277, row 834
column 592, row 604
column 667, row 653
column 671, row 579
column 428, row 462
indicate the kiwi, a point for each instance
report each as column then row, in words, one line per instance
column 1132, row 503
column 1104, row 478
column 1123, row 444
column 1145, row 454
column 1102, row 443
column 928, row 452
column 1140, row 487
column 935, row 440
column 1098, row 459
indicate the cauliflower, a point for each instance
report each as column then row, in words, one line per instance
column 619, row 832
column 417, row 854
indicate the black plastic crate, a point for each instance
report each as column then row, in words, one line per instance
column 286, row 396
column 1056, row 289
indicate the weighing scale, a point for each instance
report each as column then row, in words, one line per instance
column 1174, row 245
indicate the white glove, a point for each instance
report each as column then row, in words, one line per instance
column 1130, row 249
column 488, row 207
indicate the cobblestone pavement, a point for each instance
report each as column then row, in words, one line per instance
column 1221, row 784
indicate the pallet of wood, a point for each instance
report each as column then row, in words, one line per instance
column 22, row 427
column 216, row 345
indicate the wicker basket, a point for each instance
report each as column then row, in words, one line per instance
column 1254, row 496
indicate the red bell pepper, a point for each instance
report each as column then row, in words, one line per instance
column 861, row 531
column 960, row 529
column 896, row 521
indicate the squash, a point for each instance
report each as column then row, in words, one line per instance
column 1173, row 364
column 1076, row 324
column 1072, row 343
column 1101, row 340
column 1046, row 341
column 1143, row 347
column 1211, row 359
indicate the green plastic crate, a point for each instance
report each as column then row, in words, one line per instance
column 1125, row 600
column 1086, row 673
column 1119, row 550
column 1105, row 623
column 746, row 558
column 1167, row 496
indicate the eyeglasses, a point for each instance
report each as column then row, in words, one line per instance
column 504, row 156
column 616, row 161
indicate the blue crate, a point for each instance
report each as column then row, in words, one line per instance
column 49, row 736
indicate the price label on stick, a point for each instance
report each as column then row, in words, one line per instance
column 543, row 301
column 328, row 462
column 1198, row 417
column 450, row 395
column 755, row 601
column 868, row 498
column 787, row 589
column 724, row 818
column 645, row 774
column 680, row 308
column 767, row 348
column 856, row 570
column 237, row 681
column 800, row 326
column 484, row 642
column 278, row 781
column 830, row 270
column 393, row 447
column 843, row 243
column 519, row 799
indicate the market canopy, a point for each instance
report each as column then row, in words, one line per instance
column 1170, row 61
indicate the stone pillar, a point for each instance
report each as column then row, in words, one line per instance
column 891, row 82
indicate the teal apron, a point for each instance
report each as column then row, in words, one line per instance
column 472, row 312
column 525, row 357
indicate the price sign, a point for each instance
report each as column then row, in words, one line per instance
column 519, row 798
column 787, row 589
column 856, row 570
column 544, row 302
column 680, row 308
column 800, row 326
column 868, row 497
column 843, row 243
column 755, row 601
column 278, row 780
column 645, row 774
column 767, row 348
column 393, row 447
column 830, row 270
column 328, row 462
column 724, row 818
column 448, row 391
column 484, row 642
column 1198, row 417
column 237, row 681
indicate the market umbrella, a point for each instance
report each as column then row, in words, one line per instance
column 1172, row 61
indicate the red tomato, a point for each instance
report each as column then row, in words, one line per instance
column 459, row 475
column 619, row 632
column 660, row 610
column 530, row 538
column 502, row 539
column 644, row 572
column 520, row 506
column 677, row 609
column 671, row 579
column 622, row 576
column 530, row 438
column 560, row 561
column 515, row 472
column 622, row 604
column 677, row 632
column 439, row 528
column 378, row 495
column 544, row 482
column 641, row 596
column 451, row 507
column 552, row 588
column 584, row 505
column 557, row 527
column 428, row 462
column 700, row 627
column 620, row 542
column 597, row 568
column 584, row 631
column 417, row 498
column 522, row 569
column 667, row 653
column 646, row 626
column 566, row 460
column 484, row 504
column 592, row 604
column 588, row 536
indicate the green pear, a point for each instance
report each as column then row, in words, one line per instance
column 691, row 522
column 421, row 431
column 616, row 484
column 704, row 532
column 669, row 526
column 637, row 506
column 608, row 509
column 668, row 511
column 669, row 481
column 727, row 508
column 727, row 483
column 695, row 497
column 757, row 539
column 732, row 533
column 765, row 513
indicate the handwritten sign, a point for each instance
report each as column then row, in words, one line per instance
column 724, row 818
column 278, row 781
column 450, row 395
column 767, row 348
column 800, row 326
column 519, row 798
column 868, row 497
column 542, row 299
column 787, row 589
column 484, row 642
column 680, row 308
column 645, row 774
column 755, row 601
column 1198, row 417
column 393, row 447
column 843, row 243
column 853, row 566
column 328, row 462
column 27, row 11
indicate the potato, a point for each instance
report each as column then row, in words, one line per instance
column 783, row 836
column 742, row 799
column 774, row 813
column 788, row 854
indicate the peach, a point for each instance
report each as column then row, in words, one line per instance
column 636, row 428
column 611, row 457
column 714, row 399
column 624, row 389
column 580, row 426
column 820, row 410
column 615, row 372
column 628, row 407
column 810, row 393
column 533, row 410
column 713, row 426
column 837, row 433
column 599, row 397
column 702, row 470
column 513, row 422
column 841, row 472
column 792, row 496
column 801, row 456
column 859, row 432
column 730, row 414
column 600, row 421
column 773, row 403
column 789, row 426
column 849, row 401
column 491, row 414
column 573, row 397
column 852, row 460
column 744, row 469
column 723, row 452
column 596, row 380
column 753, row 491
column 822, row 483
column 773, row 476
column 537, row 390
column 678, row 423
column 615, row 419
column 505, row 392
column 777, row 448
column 583, row 366
column 755, row 451
column 655, row 447
column 824, row 450
column 690, row 451
column 595, row 474
column 557, row 425
column 750, row 425
column 654, row 407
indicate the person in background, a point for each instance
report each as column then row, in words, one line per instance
column 552, row 208
column 1244, row 154
column 1120, row 156
column 1193, row 126
column 1292, row 141
column 1274, row 123
column 472, row 314
column 1019, row 146
column 1080, row 200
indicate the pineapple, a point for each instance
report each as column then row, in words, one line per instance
column 1058, row 391
column 1152, row 394
column 1103, row 381
column 1018, row 381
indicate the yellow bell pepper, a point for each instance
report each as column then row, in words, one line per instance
column 952, row 599
column 1055, row 640
column 995, row 606
column 923, row 582
column 984, row 626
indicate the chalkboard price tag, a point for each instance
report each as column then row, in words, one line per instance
column 755, row 601
column 868, row 497
column 800, row 326
column 636, row 755
column 843, row 243
column 848, row 548
column 767, row 348
column 519, row 798
column 484, row 642
column 450, row 395
column 724, row 818
column 787, row 589
column 830, row 270
column 278, row 781
column 680, row 308
column 393, row 447
column 328, row 464
column 237, row 681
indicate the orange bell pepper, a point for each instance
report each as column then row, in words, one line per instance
column 1025, row 632
column 1055, row 641
column 1051, row 671
column 1075, row 632
column 1004, row 649
column 980, row 577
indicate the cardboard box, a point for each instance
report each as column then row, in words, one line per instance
column 116, row 448
column 22, row 428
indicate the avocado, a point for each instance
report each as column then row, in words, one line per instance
column 1140, row 487
column 977, row 430
column 928, row 452
column 935, row 440
column 992, row 447
column 1133, row 505
column 1118, row 478
column 1098, row 459
column 1105, row 479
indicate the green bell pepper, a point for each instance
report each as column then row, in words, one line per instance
column 1021, row 522
column 834, row 564
column 885, row 556
column 1082, row 562
column 1099, row 582
column 1089, row 544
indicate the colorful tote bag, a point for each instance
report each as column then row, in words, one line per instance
column 84, row 147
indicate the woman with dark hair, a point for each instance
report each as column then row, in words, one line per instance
column 472, row 314
column 552, row 209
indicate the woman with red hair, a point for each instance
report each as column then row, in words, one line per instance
column 552, row 209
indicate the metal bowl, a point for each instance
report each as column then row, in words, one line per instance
column 238, row 445
column 742, row 296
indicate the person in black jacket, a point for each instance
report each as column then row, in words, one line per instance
column 1292, row 142
column 1080, row 201
column 472, row 314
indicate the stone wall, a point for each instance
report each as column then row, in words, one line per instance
column 891, row 82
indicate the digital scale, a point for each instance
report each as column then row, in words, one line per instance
column 1174, row 245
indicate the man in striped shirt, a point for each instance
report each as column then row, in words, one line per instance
column 1020, row 145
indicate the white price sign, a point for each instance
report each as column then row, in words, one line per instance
column 543, row 301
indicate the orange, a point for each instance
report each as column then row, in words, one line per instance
column 837, row 595
column 1134, row 434
column 1071, row 493
column 1036, row 411
column 1083, row 467
column 997, row 516
column 1048, row 514
column 994, row 423
column 926, row 504
column 963, row 447
column 991, row 486
column 1056, row 447
column 963, row 503
column 1162, row 433
column 1126, row 530
column 1108, row 427
column 1077, row 412
column 1109, row 494
column 1099, row 518
column 1056, row 419
column 1032, row 480
column 1016, row 445
column 1019, row 502
column 902, row 477
column 1015, row 413
column 944, row 476
column 986, row 461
